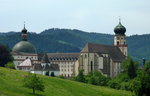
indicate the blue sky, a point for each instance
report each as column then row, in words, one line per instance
column 99, row 16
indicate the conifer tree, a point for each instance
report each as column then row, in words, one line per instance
column 80, row 76
column 5, row 55
column 131, row 70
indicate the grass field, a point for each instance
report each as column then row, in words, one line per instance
column 11, row 82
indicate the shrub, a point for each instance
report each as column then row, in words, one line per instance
column 114, row 84
column 96, row 78
column 80, row 77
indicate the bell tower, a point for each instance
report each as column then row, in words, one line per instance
column 120, row 38
column 24, row 33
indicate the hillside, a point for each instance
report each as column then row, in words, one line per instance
column 67, row 40
column 11, row 85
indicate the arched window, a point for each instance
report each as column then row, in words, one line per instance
column 91, row 66
column 117, row 42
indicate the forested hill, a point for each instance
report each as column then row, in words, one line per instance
column 67, row 40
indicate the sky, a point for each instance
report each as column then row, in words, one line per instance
column 99, row 16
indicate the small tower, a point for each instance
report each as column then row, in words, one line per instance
column 24, row 33
column 120, row 38
column 45, row 60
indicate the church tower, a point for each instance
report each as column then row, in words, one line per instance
column 120, row 38
column 24, row 33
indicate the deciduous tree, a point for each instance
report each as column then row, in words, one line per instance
column 33, row 82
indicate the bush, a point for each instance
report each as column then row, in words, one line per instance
column 10, row 65
column 125, row 86
column 61, row 76
column 96, row 78
column 114, row 84
column 80, row 77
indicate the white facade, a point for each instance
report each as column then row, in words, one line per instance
column 66, row 67
column 19, row 58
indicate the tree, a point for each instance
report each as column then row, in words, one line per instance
column 10, row 65
column 126, row 64
column 131, row 70
column 80, row 76
column 33, row 82
column 96, row 78
column 142, row 85
column 47, row 73
column 5, row 55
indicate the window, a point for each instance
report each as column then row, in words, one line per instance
column 85, row 56
column 91, row 66
column 117, row 42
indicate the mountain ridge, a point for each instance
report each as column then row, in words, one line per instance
column 73, row 40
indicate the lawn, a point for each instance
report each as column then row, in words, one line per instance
column 11, row 84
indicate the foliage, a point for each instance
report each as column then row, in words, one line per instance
column 144, row 79
column 119, row 82
column 135, row 86
column 126, row 64
column 47, row 73
column 33, row 82
column 114, row 84
column 145, row 85
column 5, row 55
column 10, row 65
column 11, row 85
column 147, row 66
column 61, row 76
column 131, row 70
column 80, row 76
column 96, row 78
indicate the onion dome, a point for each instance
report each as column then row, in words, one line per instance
column 24, row 46
column 120, row 29
column 24, row 30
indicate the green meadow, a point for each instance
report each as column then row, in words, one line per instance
column 11, row 84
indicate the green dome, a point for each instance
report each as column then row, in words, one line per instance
column 24, row 46
column 120, row 29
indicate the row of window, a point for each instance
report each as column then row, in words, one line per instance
column 63, row 62
column 66, row 75
column 22, row 57
column 66, row 66
column 62, row 59
column 67, row 70
column 120, row 38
